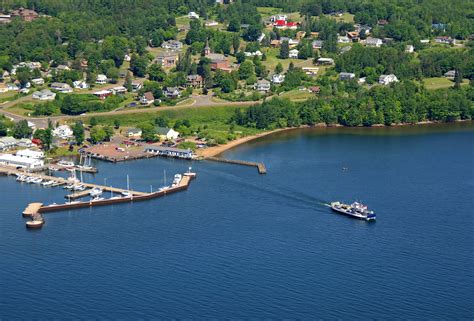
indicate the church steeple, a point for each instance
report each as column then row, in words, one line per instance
column 207, row 49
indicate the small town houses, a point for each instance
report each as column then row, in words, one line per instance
column 278, row 79
column 61, row 87
column 44, row 94
column 135, row 133
column 165, row 133
column 101, row 79
column 194, row 81
column 262, row 85
column 172, row 45
column 63, row 132
column 172, row 92
column 167, row 59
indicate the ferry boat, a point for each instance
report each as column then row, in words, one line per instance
column 357, row 210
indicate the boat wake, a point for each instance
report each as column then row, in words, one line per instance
column 282, row 191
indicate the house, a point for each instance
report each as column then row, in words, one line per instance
column 7, row 143
column 80, row 84
column 278, row 78
column 37, row 81
column 317, row 44
column 314, row 89
column 147, row 98
column 61, row 68
column 445, row 40
column 5, row 18
column 387, row 79
column 23, row 162
column 63, row 132
column 136, row 86
column 291, row 42
column 425, row 41
column 165, row 133
column 193, row 15
column 218, row 61
column 382, row 22
column 275, row 43
column 325, row 61
column 103, row 94
column 28, row 153
column 262, row 85
column 362, row 80
column 194, row 81
column 300, row 34
column 353, row 36
column 25, row 142
column 283, row 24
column 373, row 42
column 12, row 87
column 279, row 17
column 172, row 92
column 172, row 45
column 311, row 71
column 450, row 74
column 257, row 53
column 346, row 76
column 119, row 90
column 169, row 151
column 134, row 133
column 410, row 49
column 44, row 94
column 293, row 53
column 343, row 39
column 24, row 91
column 25, row 14
column 211, row 23
column 261, row 37
column 167, row 59
column 3, row 87
column 61, row 87
column 101, row 79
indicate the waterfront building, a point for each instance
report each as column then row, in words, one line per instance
column 19, row 161
column 169, row 151
column 165, row 133
column 28, row 153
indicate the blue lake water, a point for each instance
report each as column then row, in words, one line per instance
column 241, row 245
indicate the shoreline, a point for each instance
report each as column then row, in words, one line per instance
column 216, row 151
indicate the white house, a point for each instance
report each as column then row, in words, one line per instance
column 374, row 42
column 211, row 23
column 293, row 53
column 37, row 81
column 193, row 15
column 387, row 79
column 101, row 79
column 19, row 161
column 136, row 86
column 61, row 87
column 325, row 61
column 7, row 143
column 257, row 53
column 80, row 84
column 28, row 153
column 166, row 133
column 63, row 132
column 346, row 76
column 172, row 92
column 25, row 142
column 44, row 94
column 127, row 58
column 278, row 78
column 410, row 49
column 147, row 98
column 134, row 133
column 343, row 39
column 262, row 85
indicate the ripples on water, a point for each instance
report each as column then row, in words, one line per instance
column 240, row 245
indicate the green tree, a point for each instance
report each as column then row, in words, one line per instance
column 46, row 137
column 278, row 68
column 78, row 132
column 128, row 82
column 3, row 128
column 156, row 73
column 246, row 70
column 98, row 134
column 22, row 130
column 117, row 124
column 93, row 122
column 284, row 50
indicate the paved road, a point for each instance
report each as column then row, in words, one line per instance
column 42, row 122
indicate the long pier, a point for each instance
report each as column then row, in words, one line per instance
column 62, row 181
column 260, row 166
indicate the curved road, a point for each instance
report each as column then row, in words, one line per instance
column 42, row 122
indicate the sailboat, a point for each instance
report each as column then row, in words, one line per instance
column 127, row 192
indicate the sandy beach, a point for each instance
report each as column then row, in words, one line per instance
column 216, row 150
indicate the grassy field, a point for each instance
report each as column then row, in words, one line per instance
column 8, row 96
column 297, row 95
column 346, row 17
column 212, row 119
column 23, row 109
column 273, row 60
column 441, row 82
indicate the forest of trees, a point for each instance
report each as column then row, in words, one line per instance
column 405, row 102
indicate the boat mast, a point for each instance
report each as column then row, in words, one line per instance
column 128, row 183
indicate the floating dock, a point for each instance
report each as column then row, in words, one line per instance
column 260, row 166
column 32, row 209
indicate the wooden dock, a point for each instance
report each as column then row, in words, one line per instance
column 39, row 208
column 260, row 166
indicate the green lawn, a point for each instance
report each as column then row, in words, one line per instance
column 441, row 82
column 273, row 60
column 8, row 96
column 346, row 17
column 297, row 95
column 23, row 109
column 211, row 119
